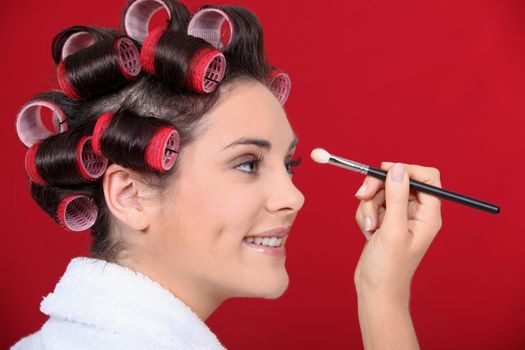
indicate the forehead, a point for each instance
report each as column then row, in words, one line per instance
column 248, row 109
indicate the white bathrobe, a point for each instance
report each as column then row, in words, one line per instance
column 101, row 305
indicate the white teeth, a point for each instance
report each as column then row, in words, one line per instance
column 267, row 241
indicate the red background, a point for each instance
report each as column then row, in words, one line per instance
column 438, row 83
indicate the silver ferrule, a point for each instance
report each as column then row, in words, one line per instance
column 348, row 164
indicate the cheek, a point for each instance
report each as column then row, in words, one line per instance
column 215, row 212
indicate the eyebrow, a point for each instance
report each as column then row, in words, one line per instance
column 262, row 143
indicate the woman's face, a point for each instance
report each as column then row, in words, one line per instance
column 224, row 194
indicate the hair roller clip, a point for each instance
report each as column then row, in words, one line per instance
column 213, row 25
column 137, row 15
column 76, row 213
column 90, row 165
column 30, row 165
column 280, row 84
column 29, row 124
column 101, row 125
column 205, row 71
column 162, row 149
column 85, row 82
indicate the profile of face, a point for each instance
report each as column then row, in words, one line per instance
column 234, row 181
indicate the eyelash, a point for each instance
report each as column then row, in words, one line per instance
column 255, row 162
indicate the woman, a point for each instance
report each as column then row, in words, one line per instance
column 176, row 236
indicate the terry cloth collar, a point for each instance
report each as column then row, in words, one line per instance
column 114, row 298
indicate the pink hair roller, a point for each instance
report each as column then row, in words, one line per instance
column 280, row 84
column 127, row 58
column 73, row 44
column 76, row 213
column 212, row 25
column 30, row 165
column 91, row 165
column 137, row 16
column 101, row 125
column 29, row 124
column 162, row 149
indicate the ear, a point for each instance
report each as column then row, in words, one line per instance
column 124, row 197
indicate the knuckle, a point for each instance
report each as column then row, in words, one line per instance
column 358, row 215
column 435, row 172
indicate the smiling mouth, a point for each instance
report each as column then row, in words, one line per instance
column 266, row 241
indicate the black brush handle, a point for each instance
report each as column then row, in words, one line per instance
column 441, row 193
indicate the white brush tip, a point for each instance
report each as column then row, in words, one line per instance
column 319, row 155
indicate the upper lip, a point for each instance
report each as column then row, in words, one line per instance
column 276, row 232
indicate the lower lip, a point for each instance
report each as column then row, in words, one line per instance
column 274, row 251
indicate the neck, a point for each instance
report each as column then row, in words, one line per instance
column 200, row 299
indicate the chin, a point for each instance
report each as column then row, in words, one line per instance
column 275, row 288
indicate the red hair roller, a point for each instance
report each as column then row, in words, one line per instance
column 31, row 169
column 280, row 84
column 207, row 66
column 29, row 124
column 149, row 49
column 212, row 25
column 162, row 149
column 102, row 124
column 76, row 213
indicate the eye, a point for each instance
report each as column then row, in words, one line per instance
column 251, row 166
column 292, row 163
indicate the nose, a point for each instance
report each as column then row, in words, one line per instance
column 284, row 195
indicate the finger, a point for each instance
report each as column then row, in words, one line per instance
column 423, row 174
column 370, row 208
column 396, row 200
column 363, row 221
column 369, row 188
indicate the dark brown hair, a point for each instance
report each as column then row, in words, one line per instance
column 150, row 100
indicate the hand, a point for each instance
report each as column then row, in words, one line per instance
column 399, row 226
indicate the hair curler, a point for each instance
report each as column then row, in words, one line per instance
column 159, row 151
column 89, row 166
column 29, row 124
column 137, row 15
column 206, row 68
column 30, row 165
column 163, row 148
column 76, row 213
column 125, row 65
column 280, row 84
column 213, row 25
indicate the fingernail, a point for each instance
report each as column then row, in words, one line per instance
column 368, row 223
column 362, row 190
column 367, row 235
column 398, row 172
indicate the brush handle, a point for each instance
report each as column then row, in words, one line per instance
column 440, row 192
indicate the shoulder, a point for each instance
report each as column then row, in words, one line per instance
column 32, row 341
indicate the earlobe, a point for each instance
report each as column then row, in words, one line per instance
column 122, row 193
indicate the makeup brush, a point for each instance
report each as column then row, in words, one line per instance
column 321, row 156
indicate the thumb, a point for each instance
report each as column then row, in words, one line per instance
column 396, row 197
